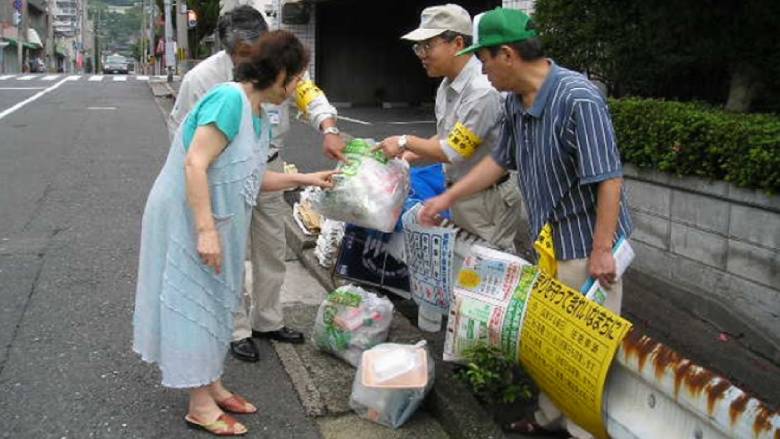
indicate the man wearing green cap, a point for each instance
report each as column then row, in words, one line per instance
column 558, row 134
column 468, row 120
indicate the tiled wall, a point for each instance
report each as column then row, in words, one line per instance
column 524, row 5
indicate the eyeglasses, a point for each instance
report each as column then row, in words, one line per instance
column 421, row 49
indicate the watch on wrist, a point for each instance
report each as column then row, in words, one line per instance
column 402, row 141
column 331, row 130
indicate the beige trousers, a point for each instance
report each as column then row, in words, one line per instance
column 574, row 273
column 261, row 307
column 493, row 214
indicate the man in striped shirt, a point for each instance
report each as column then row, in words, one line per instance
column 558, row 135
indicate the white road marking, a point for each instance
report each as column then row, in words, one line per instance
column 120, row 78
column 25, row 77
column 22, row 88
column 32, row 98
column 101, row 108
column 50, row 77
column 73, row 78
column 349, row 119
column 96, row 78
column 6, row 77
column 412, row 122
column 142, row 78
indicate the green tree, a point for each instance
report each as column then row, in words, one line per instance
column 723, row 51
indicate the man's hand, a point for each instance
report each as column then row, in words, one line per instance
column 429, row 214
column 389, row 147
column 601, row 266
column 333, row 147
column 410, row 156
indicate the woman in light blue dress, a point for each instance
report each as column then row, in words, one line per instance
column 195, row 225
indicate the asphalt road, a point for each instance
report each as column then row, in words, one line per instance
column 75, row 169
column 304, row 144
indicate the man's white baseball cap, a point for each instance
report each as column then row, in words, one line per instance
column 436, row 20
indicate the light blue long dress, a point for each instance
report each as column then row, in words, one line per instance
column 183, row 310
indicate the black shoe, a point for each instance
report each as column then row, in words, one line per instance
column 284, row 335
column 245, row 350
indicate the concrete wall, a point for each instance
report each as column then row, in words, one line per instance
column 719, row 243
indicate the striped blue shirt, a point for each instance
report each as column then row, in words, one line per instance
column 562, row 147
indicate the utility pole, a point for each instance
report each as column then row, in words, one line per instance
column 51, row 62
column 182, row 42
column 142, row 56
column 3, row 45
column 21, row 7
column 170, row 60
column 152, row 47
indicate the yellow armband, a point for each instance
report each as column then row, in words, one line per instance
column 305, row 93
column 464, row 141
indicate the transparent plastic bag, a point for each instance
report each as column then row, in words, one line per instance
column 391, row 382
column 370, row 190
column 351, row 320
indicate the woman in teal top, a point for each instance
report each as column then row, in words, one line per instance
column 195, row 225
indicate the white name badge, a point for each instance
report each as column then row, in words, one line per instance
column 274, row 117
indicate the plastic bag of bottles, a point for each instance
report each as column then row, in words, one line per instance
column 369, row 191
column 351, row 320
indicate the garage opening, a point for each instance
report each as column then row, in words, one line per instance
column 361, row 59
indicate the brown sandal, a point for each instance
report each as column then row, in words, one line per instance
column 224, row 425
column 237, row 404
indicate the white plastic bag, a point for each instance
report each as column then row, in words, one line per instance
column 370, row 190
column 391, row 382
column 328, row 242
column 351, row 320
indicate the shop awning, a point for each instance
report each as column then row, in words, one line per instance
column 33, row 38
column 26, row 45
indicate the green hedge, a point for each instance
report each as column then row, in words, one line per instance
column 699, row 140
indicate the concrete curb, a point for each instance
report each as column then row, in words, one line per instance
column 310, row 396
column 450, row 402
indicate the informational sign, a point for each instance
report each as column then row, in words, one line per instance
column 364, row 257
column 429, row 256
column 488, row 302
column 567, row 345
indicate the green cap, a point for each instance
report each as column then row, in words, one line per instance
column 499, row 26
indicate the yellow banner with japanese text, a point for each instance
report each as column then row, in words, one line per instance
column 567, row 345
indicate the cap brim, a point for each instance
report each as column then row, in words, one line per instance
column 422, row 34
column 471, row 49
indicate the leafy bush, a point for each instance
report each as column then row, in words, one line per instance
column 699, row 140
column 492, row 377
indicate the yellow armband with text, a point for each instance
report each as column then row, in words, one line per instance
column 546, row 250
column 305, row 93
column 464, row 141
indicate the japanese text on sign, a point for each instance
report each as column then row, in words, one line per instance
column 567, row 345
column 429, row 256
